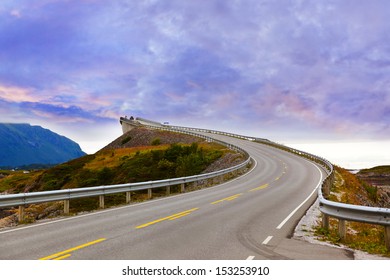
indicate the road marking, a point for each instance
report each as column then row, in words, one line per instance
column 227, row 198
column 179, row 216
column 268, row 239
column 65, row 254
column 277, row 178
column 250, row 258
column 62, row 257
column 171, row 217
column 300, row 205
column 259, row 188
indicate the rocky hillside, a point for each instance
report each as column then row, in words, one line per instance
column 139, row 155
column 354, row 189
column 23, row 144
column 349, row 188
column 378, row 176
column 141, row 136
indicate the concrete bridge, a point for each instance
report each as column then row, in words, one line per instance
column 132, row 122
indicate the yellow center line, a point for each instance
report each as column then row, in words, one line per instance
column 171, row 217
column 179, row 216
column 65, row 254
column 62, row 257
column 259, row 188
column 227, row 198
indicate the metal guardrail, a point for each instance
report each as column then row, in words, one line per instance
column 356, row 213
column 342, row 211
column 24, row 199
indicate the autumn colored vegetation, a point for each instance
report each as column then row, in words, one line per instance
column 118, row 166
column 348, row 188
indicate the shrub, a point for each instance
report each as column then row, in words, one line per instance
column 125, row 140
column 156, row 141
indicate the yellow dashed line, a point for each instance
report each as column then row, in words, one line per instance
column 227, row 198
column 65, row 254
column 259, row 188
column 171, row 217
column 62, row 257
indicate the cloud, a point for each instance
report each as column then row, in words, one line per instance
column 309, row 67
column 16, row 94
column 16, row 111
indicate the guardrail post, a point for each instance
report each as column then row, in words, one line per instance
column 342, row 229
column 326, row 187
column 101, row 201
column 325, row 221
column 21, row 213
column 66, row 206
column 128, row 197
column 387, row 237
column 168, row 191
column 183, row 188
column 149, row 193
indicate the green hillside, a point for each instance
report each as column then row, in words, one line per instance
column 152, row 158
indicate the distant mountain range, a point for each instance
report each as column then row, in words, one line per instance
column 24, row 144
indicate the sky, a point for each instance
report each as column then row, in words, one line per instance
column 310, row 74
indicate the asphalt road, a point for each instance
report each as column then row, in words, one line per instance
column 250, row 217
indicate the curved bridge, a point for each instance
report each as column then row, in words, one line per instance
column 251, row 217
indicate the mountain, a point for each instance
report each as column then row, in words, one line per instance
column 24, row 144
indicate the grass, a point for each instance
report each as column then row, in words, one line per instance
column 117, row 166
column 112, row 158
column 361, row 236
column 17, row 180
column 112, row 166
column 378, row 170
column 53, row 209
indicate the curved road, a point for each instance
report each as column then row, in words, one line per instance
column 250, row 217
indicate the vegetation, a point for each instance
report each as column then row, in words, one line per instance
column 16, row 180
column 139, row 155
column 118, row 166
column 383, row 169
column 365, row 237
column 125, row 140
column 156, row 141
column 110, row 166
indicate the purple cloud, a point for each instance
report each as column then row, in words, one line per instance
column 291, row 67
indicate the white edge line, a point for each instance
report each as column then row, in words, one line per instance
column 300, row 205
column 123, row 207
column 250, row 258
column 268, row 239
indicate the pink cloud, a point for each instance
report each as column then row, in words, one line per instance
column 17, row 94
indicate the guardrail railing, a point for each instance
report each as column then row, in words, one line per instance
column 24, row 199
column 341, row 211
